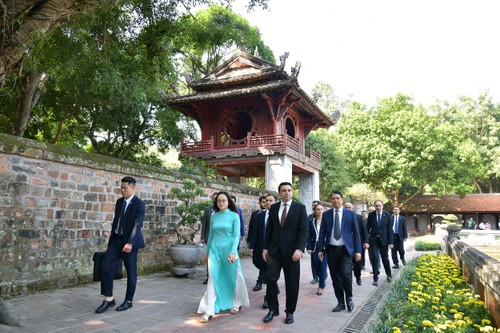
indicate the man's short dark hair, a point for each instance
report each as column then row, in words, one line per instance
column 129, row 180
column 337, row 192
column 271, row 195
column 364, row 211
column 262, row 197
column 283, row 184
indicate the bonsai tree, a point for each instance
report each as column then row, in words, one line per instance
column 450, row 218
column 189, row 210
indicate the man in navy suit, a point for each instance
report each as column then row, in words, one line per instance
column 380, row 238
column 339, row 238
column 256, row 244
column 286, row 237
column 400, row 234
column 125, row 241
column 256, row 258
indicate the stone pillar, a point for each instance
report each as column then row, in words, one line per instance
column 278, row 170
column 309, row 189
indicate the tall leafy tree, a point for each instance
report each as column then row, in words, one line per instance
column 393, row 146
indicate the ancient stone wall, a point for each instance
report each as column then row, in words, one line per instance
column 56, row 210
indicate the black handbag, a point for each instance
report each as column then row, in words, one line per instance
column 98, row 259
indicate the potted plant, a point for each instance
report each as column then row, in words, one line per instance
column 185, row 253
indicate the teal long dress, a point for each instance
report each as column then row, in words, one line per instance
column 226, row 286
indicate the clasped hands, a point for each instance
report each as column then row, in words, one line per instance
column 232, row 258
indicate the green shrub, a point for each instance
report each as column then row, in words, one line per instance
column 428, row 243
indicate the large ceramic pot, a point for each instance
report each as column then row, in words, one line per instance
column 185, row 258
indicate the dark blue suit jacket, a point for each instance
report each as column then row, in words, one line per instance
column 258, row 233
column 402, row 229
column 132, row 222
column 349, row 230
column 311, row 238
column 384, row 231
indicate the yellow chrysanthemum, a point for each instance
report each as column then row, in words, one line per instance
column 485, row 322
column 427, row 323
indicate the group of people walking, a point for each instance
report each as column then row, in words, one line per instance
column 278, row 234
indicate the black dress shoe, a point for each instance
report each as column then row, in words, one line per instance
column 375, row 283
column 124, row 306
column 270, row 315
column 339, row 307
column 265, row 305
column 395, row 266
column 206, row 281
column 258, row 286
column 289, row 318
column 350, row 305
column 359, row 282
column 389, row 279
column 105, row 305
column 404, row 262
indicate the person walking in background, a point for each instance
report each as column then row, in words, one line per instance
column 363, row 233
column 286, row 237
column 310, row 217
column 380, row 239
column 257, row 260
column 256, row 244
column 205, row 225
column 226, row 288
column 124, row 244
column 364, row 215
column 242, row 221
column 400, row 234
column 339, row 239
column 312, row 248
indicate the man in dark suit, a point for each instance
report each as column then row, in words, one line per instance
column 310, row 219
column 400, row 234
column 381, row 239
column 205, row 225
column 125, row 241
column 256, row 244
column 257, row 260
column 339, row 239
column 285, row 240
column 363, row 233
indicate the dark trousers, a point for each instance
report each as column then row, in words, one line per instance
column 320, row 268
column 291, row 271
column 340, row 263
column 377, row 251
column 261, row 265
column 113, row 254
column 399, row 247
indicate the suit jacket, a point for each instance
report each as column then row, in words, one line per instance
column 258, row 233
column 349, row 231
column 402, row 229
column 384, row 231
column 205, row 226
column 242, row 222
column 313, row 233
column 251, row 223
column 131, row 223
column 292, row 236
column 363, row 232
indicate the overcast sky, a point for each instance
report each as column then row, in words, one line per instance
column 375, row 48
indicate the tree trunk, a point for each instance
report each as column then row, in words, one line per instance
column 24, row 21
column 33, row 84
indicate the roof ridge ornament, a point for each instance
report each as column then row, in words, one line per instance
column 283, row 61
column 295, row 71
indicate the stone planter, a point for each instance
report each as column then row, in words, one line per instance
column 453, row 230
column 185, row 258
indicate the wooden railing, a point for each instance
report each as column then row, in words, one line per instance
column 276, row 141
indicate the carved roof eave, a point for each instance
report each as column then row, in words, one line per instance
column 308, row 104
column 210, row 83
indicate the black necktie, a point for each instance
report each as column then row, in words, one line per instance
column 336, row 226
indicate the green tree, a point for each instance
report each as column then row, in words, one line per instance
column 394, row 145
column 335, row 174
column 207, row 37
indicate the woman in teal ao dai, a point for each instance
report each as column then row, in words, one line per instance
column 226, row 288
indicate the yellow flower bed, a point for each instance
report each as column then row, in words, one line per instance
column 439, row 300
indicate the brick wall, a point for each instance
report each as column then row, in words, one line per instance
column 56, row 210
